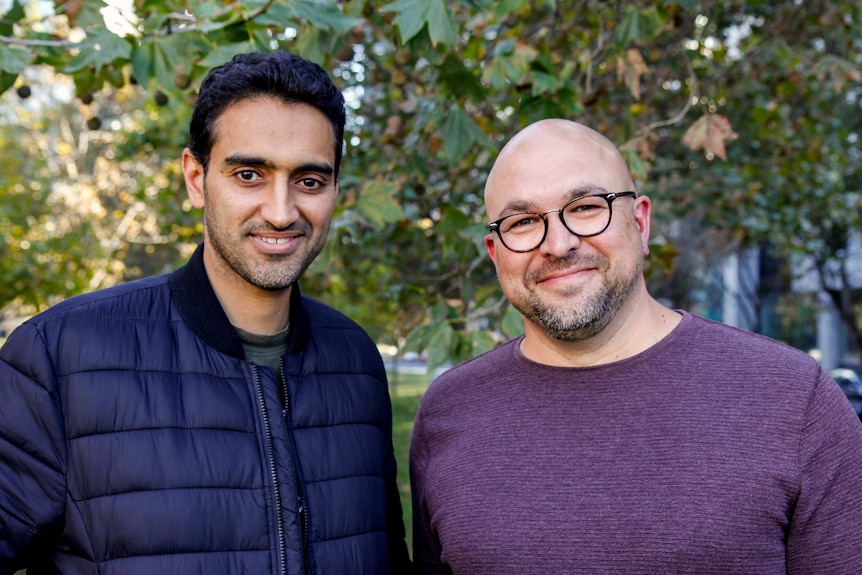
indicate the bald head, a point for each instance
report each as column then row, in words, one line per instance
column 534, row 159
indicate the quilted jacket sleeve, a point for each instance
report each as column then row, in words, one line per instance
column 395, row 533
column 32, row 451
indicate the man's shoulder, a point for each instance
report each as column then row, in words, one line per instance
column 731, row 349
column 731, row 338
column 133, row 298
column 335, row 331
column 486, row 367
column 325, row 316
column 491, row 360
column 78, row 327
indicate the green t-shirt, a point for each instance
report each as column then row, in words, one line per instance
column 264, row 349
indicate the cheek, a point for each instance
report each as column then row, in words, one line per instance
column 511, row 269
column 317, row 210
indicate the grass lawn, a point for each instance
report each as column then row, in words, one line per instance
column 405, row 399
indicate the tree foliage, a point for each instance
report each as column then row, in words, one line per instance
column 740, row 119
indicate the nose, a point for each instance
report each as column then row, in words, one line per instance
column 279, row 205
column 559, row 241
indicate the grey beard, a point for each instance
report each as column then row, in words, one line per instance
column 585, row 321
column 573, row 324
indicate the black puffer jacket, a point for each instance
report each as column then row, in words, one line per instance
column 134, row 439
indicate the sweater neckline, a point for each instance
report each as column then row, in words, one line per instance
column 656, row 349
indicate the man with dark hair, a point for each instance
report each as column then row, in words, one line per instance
column 617, row 435
column 212, row 420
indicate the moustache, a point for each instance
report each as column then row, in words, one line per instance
column 572, row 261
column 297, row 227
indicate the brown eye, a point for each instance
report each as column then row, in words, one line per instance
column 247, row 175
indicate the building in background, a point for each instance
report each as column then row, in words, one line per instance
column 797, row 311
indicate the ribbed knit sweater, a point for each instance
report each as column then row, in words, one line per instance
column 716, row 451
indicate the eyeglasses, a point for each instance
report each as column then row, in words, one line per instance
column 585, row 217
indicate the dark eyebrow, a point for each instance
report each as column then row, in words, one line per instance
column 241, row 160
column 324, row 169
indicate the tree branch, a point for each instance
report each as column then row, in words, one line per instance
column 694, row 94
column 46, row 43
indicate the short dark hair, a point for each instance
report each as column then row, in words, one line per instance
column 279, row 74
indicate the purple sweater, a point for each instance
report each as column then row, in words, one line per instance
column 716, row 451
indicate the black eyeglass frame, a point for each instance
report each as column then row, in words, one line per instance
column 609, row 198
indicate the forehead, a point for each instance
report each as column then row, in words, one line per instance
column 541, row 168
column 271, row 125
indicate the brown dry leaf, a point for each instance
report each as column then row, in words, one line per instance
column 394, row 126
column 710, row 132
column 645, row 145
column 630, row 70
column 71, row 8
column 838, row 71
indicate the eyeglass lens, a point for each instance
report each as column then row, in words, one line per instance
column 586, row 216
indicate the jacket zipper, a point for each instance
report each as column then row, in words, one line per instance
column 271, row 460
column 300, row 497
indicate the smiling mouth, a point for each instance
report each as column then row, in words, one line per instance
column 275, row 240
column 564, row 274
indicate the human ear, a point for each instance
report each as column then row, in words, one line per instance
column 642, row 209
column 193, row 172
column 491, row 246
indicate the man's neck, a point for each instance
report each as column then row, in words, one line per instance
column 248, row 307
column 634, row 329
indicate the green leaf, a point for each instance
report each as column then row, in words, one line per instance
column 209, row 10
column 323, row 14
column 13, row 59
column 481, row 341
column 8, row 20
column 544, row 83
column 152, row 63
column 454, row 220
column 224, row 53
column 504, row 48
column 630, row 29
column 440, row 345
column 418, row 338
column 100, row 48
column 411, row 17
column 86, row 82
column 459, row 132
column 513, row 322
column 224, row 18
column 312, row 44
column 457, row 80
column 510, row 65
column 505, row 7
column 442, row 28
column 7, row 81
column 495, row 74
column 639, row 25
column 637, row 166
column 377, row 203
column 90, row 16
column 441, row 311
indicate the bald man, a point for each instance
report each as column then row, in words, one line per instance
column 617, row 435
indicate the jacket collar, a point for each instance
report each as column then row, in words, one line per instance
column 199, row 307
